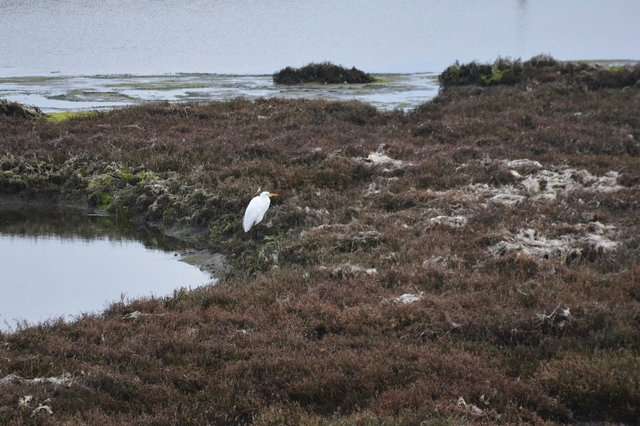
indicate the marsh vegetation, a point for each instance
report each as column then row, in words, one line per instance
column 473, row 260
column 542, row 68
column 324, row 72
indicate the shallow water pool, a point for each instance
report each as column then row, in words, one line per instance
column 61, row 263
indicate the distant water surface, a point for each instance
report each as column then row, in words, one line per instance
column 151, row 37
column 63, row 55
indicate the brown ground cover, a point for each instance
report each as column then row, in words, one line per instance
column 507, row 218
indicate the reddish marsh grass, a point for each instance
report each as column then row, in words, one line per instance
column 306, row 329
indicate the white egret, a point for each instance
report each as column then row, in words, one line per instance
column 256, row 209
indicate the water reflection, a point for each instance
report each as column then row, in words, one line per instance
column 73, row 225
column 60, row 263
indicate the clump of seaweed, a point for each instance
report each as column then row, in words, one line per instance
column 324, row 72
column 541, row 68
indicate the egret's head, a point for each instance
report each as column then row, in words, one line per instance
column 268, row 194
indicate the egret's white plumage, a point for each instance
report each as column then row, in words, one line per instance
column 256, row 209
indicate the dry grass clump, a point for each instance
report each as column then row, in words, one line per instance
column 324, row 72
column 375, row 292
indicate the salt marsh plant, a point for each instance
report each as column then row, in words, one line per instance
column 324, row 73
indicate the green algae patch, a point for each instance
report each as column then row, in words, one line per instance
column 100, row 181
column 385, row 80
column 159, row 85
column 57, row 117
column 125, row 173
column 145, row 175
column 90, row 95
column 27, row 79
column 495, row 77
column 101, row 200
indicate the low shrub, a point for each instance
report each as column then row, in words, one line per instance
column 604, row 386
column 15, row 109
column 541, row 68
column 324, row 72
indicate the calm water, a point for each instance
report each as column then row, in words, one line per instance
column 250, row 38
column 88, row 37
column 62, row 263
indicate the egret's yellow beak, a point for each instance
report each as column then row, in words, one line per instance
column 271, row 194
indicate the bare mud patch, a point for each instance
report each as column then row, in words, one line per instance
column 535, row 183
column 450, row 221
column 532, row 182
column 379, row 158
column 593, row 237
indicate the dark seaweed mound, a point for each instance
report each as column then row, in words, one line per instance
column 325, row 72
